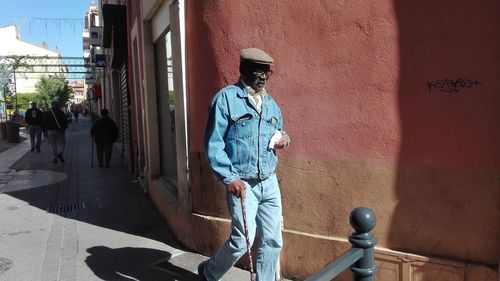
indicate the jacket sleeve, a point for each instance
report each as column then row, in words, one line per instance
column 39, row 117
column 115, row 131
column 64, row 121
column 92, row 129
column 45, row 121
column 215, row 130
column 28, row 117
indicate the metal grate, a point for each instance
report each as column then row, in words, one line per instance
column 69, row 208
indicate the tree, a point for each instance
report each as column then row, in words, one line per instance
column 6, row 98
column 24, row 101
column 4, row 75
column 8, row 67
column 5, row 92
column 53, row 88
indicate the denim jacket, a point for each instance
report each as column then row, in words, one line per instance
column 237, row 137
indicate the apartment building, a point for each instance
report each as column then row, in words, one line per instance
column 79, row 91
column 12, row 45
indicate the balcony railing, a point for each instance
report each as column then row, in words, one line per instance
column 361, row 257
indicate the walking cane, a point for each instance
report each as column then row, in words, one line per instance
column 92, row 154
column 252, row 274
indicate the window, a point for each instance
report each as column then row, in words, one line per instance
column 165, row 94
column 168, row 34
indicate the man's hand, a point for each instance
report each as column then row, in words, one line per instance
column 283, row 142
column 237, row 188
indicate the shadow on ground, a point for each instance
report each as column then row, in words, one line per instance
column 108, row 198
column 129, row 263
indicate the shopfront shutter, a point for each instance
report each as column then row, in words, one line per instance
column 125, row 118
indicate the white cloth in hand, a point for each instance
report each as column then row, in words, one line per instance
column 276, row 137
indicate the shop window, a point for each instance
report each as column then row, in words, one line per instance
column 165, row 92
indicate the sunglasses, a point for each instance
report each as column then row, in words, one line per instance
column 262, row 73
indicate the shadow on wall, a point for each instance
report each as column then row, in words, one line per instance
column 447, row 183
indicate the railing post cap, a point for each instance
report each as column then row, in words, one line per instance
column 362, row 219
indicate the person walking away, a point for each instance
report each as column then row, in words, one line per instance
column 34, row 119
column 55, row 124
column 244, row 130
column 75, row 114
column 104, row 132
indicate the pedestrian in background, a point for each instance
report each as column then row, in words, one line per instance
column 75, row 114
column 34, row 119
column 104, row 132
column 75, row 111
column 243, row 133
column 55, row 124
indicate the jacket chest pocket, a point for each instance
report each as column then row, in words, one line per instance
column 271, row 124
column 243, row 126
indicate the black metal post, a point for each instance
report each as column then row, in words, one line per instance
column 363, row 221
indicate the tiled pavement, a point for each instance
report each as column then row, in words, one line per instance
column 73, row 222
column 5, row 144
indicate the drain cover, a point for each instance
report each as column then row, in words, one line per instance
column 68, row 208
column 5, row 265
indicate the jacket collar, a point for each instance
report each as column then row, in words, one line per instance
column 241, row 89
column 242, row 93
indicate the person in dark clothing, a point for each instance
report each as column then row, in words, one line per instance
column 75, row 114
column 34, row 119
column 104, row 132
column 55, row 124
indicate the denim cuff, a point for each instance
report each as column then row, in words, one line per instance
column 230, row 179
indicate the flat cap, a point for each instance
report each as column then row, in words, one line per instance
column 255, row 55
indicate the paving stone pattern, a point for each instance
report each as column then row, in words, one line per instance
column 106, row 228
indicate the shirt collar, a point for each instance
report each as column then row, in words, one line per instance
column 250, row 91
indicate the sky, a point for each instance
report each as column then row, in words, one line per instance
column 59, row 23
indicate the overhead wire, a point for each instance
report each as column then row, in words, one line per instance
column 44, row 22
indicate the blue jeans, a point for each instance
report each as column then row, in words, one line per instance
column 35, row 132
column 263, row 207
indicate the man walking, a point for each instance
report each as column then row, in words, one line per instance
column 75, row 114
column 104, row 132
column 56, row 123
column 244, row 130
column 34, row 119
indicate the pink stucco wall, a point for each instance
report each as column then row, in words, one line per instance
column 363, row 69
column 360, row 84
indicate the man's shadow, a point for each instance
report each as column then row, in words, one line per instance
column 125, row 264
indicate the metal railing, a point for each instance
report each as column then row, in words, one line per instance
column 361, row 257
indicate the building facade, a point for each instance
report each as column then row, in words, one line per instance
column 390, row 105
column 12, row 45
column 79, row 92
column 92, row 52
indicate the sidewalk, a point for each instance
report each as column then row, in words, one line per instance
column 4, row 144
column 73, row 222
